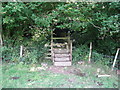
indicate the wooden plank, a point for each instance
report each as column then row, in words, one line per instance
column 62, row 59
column 21, row 51
column 59, row 44
column 48, row 53
column 115, row 58
column 60, row 38
column 62, row 55
column 70, row 50
column 103, row 75
column 49, row 49
column 47, row 57
column 52, row 54
column 62, row 51
column 90, row 53
column 62, row 63
column 47, row 45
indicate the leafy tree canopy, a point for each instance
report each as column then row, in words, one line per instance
column 36, row 20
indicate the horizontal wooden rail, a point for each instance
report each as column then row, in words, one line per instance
column 47, row 57
column 59, row 43
column 60, row 38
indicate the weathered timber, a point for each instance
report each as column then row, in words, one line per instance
column 63, row 63
column 48, row 53
column 89, row 58
column 49, row 49
column 47, row 57
column 70, row 50
column 62, row 59
column 61, row 51
column 115, row 58
column 21, row 51
column 103, row 75
column 52, row 54
column 62, row 55
column 61, row 44
column 60, row 38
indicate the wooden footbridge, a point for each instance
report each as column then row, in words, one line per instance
column 61, row 52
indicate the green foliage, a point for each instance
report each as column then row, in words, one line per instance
column 80, row 53
column 10, row 54
column 74, row 16
column 33, row 52
column 107, row 46
column 25, row 23
column 33, row 55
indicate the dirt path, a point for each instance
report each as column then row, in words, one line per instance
column 66, row 70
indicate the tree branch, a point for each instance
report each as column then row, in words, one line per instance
column 95, row 25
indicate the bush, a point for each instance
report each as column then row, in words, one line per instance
column 99, row 58
column 10, row 54
column 33, row 52
column 82, row 53
column 33, row 55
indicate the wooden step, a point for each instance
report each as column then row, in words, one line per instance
column 63, row 63
column 60, row 38
column 59, row 44
column 47, row 45
column 62, row 55
column 49, row 49
column 64, row 59
column 48, row 58
column 48, row 54
column 62, row 51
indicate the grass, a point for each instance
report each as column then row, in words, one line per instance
column 47, row 79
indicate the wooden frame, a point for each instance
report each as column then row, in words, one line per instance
column 58, row 60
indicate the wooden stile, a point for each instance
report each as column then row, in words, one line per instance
column 61, row 53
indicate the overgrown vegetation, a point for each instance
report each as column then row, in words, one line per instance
column 29, row 24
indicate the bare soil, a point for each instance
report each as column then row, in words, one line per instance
column 66, row 70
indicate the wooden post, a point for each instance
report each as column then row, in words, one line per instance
column 52, row 55
column 21, row 51
column 1, row 42
column 71, row 49
column 68, row 41
column 115, row 58
column 89, row 60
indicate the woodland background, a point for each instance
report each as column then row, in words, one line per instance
column 30, row 23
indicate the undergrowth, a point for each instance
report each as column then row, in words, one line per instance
column 33, row 52
column 81, row 53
